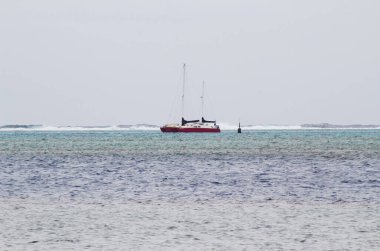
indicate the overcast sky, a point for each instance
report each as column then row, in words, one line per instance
column 115, row 62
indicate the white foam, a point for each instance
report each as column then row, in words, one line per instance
column 226, row 126
column 83, row 128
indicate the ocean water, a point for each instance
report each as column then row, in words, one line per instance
column 144, row 190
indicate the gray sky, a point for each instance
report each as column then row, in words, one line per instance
column 119, row 62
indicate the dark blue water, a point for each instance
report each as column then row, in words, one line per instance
column 308, row 165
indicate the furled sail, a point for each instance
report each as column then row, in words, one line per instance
column 208, row 121
column 184, row 122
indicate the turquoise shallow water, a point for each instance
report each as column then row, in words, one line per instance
column 49, row 178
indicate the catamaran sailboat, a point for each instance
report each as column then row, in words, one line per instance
column 191, row 125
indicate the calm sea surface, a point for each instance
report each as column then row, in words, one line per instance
column 144, row 190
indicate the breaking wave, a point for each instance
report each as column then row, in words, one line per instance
column 225, row 126
column 149, row 127
column 137, row 127
column 332, row 126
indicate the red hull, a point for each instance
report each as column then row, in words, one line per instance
column 189, row 129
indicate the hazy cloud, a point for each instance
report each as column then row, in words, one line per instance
column 119, row 62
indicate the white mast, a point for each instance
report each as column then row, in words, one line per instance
column 203, row 96
column 183, row 90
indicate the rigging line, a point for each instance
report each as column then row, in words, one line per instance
column 211, row 105
column 202, row 98
column 183, row 90
column 174, row 103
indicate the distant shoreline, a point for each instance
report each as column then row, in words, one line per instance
column 150, row 127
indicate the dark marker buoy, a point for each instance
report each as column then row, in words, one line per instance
column 239, row 129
